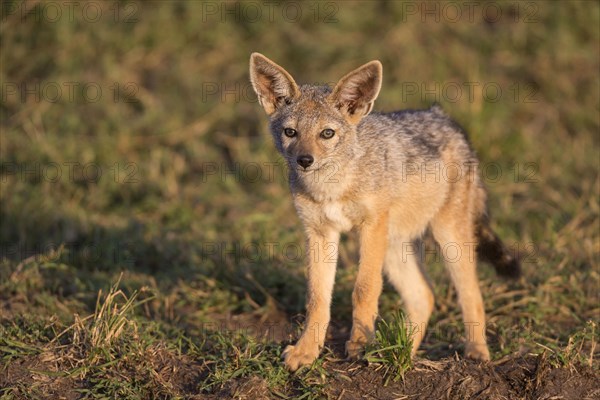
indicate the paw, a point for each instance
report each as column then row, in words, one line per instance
column 477, row 351
column 354, row 349
column 296, row 356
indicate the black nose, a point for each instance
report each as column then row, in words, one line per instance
column 305, row 161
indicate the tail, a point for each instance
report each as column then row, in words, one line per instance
column 491, row 249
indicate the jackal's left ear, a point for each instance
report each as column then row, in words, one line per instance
column 272, row 84
column 356, row 92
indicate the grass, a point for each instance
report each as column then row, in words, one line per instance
column 113, row 353
column 153, row 185
column 392, row 347
column 573, row 352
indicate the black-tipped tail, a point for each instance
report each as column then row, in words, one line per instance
column 491, row 249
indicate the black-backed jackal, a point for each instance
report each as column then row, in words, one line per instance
column 391, row 176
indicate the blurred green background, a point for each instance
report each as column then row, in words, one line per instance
column 131, row 142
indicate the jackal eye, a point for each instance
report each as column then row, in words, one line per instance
column 289, row 132
column 327, row 133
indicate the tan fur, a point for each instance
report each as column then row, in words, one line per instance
column 379, row 174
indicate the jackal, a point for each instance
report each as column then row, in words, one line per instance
column 391, row 176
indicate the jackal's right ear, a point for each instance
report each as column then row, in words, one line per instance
column 272, row 84
column 356, row 92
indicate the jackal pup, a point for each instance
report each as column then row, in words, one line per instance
column 391, row 176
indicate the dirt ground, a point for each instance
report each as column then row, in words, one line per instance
column 513, row 377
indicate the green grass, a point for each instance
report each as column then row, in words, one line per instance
column 392, row 347
column 151, row 185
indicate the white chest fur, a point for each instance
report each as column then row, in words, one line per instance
column 334, row 213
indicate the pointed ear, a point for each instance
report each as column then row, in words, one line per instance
column 272, row 84
column 356, row 92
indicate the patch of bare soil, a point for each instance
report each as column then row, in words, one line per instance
column 43, row 376
column 530, row 377
column 253, row 388
column 33, row 376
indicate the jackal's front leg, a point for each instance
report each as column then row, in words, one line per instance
column 322, row 259
column 369, row 282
